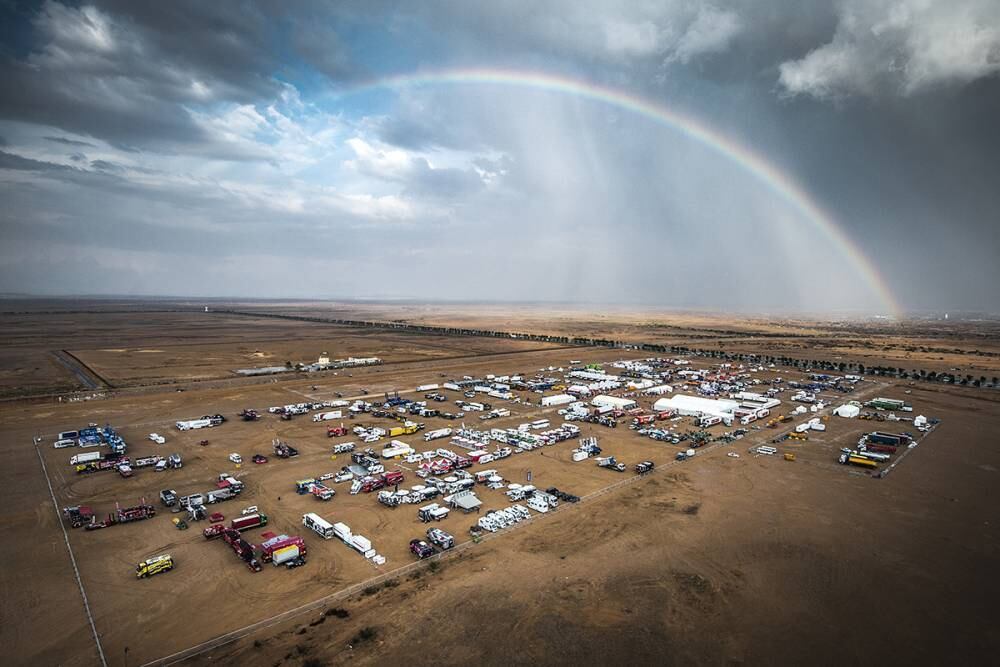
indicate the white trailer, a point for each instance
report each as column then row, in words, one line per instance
column 428, row 387
column 343, row 531
column 327, row 416
column 318, row 524
column 396, row 448
column 85, row 457
column 193, row 424
column 437, row 433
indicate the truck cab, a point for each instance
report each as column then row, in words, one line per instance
column 168, row 497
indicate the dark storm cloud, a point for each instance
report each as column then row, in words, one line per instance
column 127, row 72
column 884, row 112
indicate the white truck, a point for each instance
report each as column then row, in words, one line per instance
column 85, row 457
column 327, row 416
column 437, row 434
column 193, row 424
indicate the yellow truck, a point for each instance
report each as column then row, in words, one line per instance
column 154, row 565
column 403, row 430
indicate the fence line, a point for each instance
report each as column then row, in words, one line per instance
column 72, row 558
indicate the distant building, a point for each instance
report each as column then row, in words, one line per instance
column 324, row 359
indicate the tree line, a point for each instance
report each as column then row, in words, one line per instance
column 843, row 367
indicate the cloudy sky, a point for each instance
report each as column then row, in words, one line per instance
column 333, row 150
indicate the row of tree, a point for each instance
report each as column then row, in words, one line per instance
column 814, row 365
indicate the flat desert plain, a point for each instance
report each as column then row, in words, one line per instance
column 715, row 560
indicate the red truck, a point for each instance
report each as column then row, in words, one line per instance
column 392, row 477
column 243, row 549
column 644, row 419
column 239, row 523
column 268, row 548
column 878, row 447
column 372, row 484
column 336, row 431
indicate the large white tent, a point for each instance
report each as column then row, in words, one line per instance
column 613, row 402
column 847, row 410
column 698, row 406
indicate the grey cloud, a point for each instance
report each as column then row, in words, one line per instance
column 69, row 142
column 127, row 72
column 105, row 165
column 19, row 163
column 454, row 184
column 901, row 47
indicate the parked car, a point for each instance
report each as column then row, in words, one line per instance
column 236, row 458
column 259, row 458
column 421, row 549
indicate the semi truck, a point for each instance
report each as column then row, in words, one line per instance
column 437, row 434
column 249, row 522
column 271, row 550
column 850, row 459
column 85, row 457
column 78, row 515
column 243, row 549
column 893, row 439
column 192, row 424
column 406, row 429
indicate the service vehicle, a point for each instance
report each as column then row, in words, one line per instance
column 440, row 538
column 421, row 549
column 154, row 565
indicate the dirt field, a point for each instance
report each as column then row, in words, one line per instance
column 714, row 560
column 139, row 347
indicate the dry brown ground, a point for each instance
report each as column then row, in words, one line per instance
column 139, row 348
column 717, row 560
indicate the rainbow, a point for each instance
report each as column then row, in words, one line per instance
column 766, row 173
